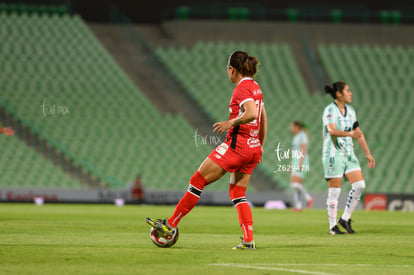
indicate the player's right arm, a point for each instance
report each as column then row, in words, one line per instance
column 249, row 114
column 329, row 121
column 331, row 128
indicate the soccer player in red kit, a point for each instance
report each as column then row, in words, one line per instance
column 8, row 131
column 238, row 155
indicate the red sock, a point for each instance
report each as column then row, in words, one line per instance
column 238, row 197
column 189, row 200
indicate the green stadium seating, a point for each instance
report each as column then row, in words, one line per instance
column 111, row 128
column 202, row 71
column 372, row 73
column 113, row 131
column 59, row 9
column 21, row 166
column 381, row 79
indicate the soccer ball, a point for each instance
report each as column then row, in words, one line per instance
column 163, row 241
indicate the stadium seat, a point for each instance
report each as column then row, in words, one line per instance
column 381, row 101
column 279, row 77
column 112, row 130
column 287, row 98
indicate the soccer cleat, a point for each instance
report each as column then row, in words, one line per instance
column 245, row 246
column 335, row 231
column 161, row 226
column 310, row 204
column 346, row 225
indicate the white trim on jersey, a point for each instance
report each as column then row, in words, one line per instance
column 244, row 101
column 243, row 79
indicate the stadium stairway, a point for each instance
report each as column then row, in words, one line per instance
column 111, row 124
column 28, row 160
column 107, row 123
column 127, row 45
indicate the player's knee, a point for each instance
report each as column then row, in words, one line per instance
column 359, row 185
column 295, row 185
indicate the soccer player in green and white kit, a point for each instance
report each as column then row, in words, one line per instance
column 300, row 165
column 340, row 126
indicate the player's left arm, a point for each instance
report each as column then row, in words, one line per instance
column 249, row 114
column 363, row 143
column 263, row 129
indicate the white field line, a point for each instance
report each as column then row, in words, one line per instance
column 268, row 266
column 273, row 268
column 383, row 265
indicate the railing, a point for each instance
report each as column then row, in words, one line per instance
column 317, row 69
column 306, row 12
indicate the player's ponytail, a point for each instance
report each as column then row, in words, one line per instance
column 335, row 87
column 246, row 65
column 249, row 66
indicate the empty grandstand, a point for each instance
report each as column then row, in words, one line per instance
column 66, row 89
column 54, row 63
column 370, row 70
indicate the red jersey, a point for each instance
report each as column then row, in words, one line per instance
column 245, row 138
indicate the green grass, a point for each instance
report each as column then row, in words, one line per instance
column 104, row 239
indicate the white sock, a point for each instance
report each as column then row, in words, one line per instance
column 353, row 199
column 296, row 196
column 305, row 194
column 299, row 187
column 332, row 203
column 297, row 199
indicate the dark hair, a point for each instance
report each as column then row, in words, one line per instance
column 300, row 124
column 335, row 87
column 246, row 65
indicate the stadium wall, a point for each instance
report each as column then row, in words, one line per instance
column 108, row 196
column 155, row 11
column 375, row 202
column 186, row 33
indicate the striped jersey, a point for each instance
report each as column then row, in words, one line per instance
column 344, row 122
column 244, row 138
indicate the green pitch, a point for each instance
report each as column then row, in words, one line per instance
column 105, row 239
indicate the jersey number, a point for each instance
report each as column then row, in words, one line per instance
column 259, row 111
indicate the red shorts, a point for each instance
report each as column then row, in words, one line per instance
column 231, row 161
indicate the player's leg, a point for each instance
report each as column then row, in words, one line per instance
column 358, row 185
column 332, row 204
column 219, row 161
column 207, row 173
column 296, row 183
column 237, row 190
column 334, row 168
